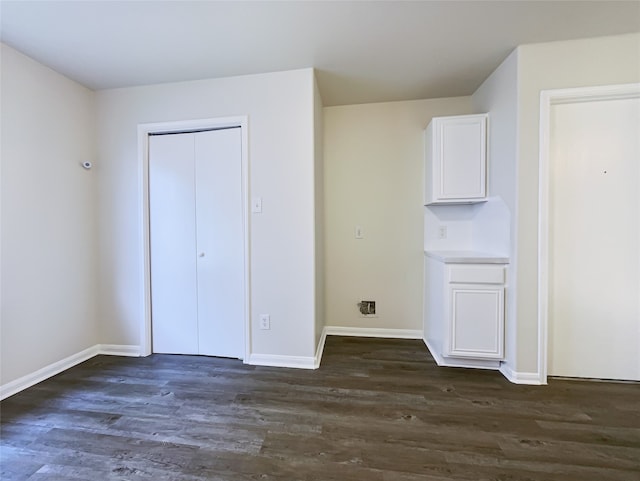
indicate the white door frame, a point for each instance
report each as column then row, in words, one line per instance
column 548, row 98
column 144, row 130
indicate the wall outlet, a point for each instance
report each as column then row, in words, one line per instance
column 442, row 232
column 367, row 308
column 265, row 321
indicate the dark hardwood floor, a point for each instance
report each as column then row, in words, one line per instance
column 376, row 410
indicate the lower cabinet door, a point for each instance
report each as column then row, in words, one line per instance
column 476, row 327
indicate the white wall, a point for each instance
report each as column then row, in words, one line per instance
column 281, row 158
column 495, row 224
column 318, row 126
column 576, row 63
column 49, row 268
column 458, row 220
column 373, row 178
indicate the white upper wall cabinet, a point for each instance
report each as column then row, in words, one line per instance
column 456, row 160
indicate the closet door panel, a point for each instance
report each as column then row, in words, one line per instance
column 220, row 234
column 172, row 244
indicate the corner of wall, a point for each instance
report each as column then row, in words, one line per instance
column 319, row 221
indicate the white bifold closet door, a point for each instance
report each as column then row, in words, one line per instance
column 197, row 243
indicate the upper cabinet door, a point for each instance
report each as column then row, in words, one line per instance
column 456, row 160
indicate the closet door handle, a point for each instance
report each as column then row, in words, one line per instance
column 201, row 254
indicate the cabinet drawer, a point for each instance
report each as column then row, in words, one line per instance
column 477, row 274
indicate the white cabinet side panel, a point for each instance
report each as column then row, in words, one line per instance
column 435, row 315
column 430, row 174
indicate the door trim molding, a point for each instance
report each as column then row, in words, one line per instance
column 144, row 131
column 548, row 98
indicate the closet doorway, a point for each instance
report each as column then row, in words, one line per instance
column 196, row 242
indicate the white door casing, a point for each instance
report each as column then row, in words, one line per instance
column 144, row 131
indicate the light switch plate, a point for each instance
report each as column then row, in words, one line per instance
column 256, row 205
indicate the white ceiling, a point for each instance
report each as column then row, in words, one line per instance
column 365, row 51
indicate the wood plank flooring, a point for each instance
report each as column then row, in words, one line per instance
column 376, row 410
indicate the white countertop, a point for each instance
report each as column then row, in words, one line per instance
column 467, row 257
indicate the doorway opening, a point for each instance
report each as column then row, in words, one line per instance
column 581, row 176
column 145, row 132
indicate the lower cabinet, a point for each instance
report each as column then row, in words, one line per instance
column 464, row 312
column 477, row 321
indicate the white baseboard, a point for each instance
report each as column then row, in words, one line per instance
column 373, row 332
column 460, row 362
column 119, row 350
column 22, row 383
column 433, row 351
column 275, row 360
column 298, row 362
column 302, row 362
column 532, row 378
column 17, row 385
column 320, row 349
